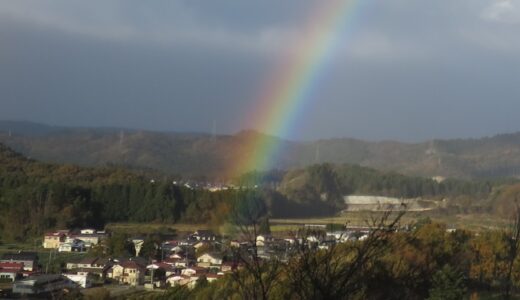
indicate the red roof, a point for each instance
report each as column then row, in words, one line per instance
column 198, row 270
column 88, row 260
column 30, row 273
column 172, row 242
column 171, row 261
column 11, row 265
column 55, row 234
column 130, row 264
column 163, row 265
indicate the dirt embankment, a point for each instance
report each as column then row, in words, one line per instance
column 380, row 203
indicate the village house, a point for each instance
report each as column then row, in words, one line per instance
column 28, row 259
column 178, row 280
column 209, row 259
column 177, row 250
column 73, row 245
column 57, row 239
column 212, row 277
column 327, row 244
column 88, row 231
column 11, row 271
column 83, row 280
column 127, row 272
column 163, row 267
column 204, row 235
column 263, row 239
column 53, row 240
column 177, row 262
column 93, row 262
column 93, row 272
column 194, row 271
column 189, row 241
column 35, row 286
column 339, row 236
column 200, row 244
column 313, row 239
column 192, row 281
column 176, row 256
column 239, row 244
column 90, row 237
column 169, row 246
column 157, row 273
column 89, row 266
column 227, row 267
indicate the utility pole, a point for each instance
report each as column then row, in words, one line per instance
column 214, row 131
column 121, row 137
column 317, row 156
column 48, row 262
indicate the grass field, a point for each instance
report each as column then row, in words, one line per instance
column 121, row 291
column 147, row 228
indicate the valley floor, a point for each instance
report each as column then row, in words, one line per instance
column 475, row 222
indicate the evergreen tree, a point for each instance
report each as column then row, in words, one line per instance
column 447, row 284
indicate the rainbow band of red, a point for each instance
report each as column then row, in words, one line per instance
column 287, row 92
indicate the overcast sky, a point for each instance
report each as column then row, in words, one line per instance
column 409, row 70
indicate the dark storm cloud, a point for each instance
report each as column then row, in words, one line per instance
column 410, row 70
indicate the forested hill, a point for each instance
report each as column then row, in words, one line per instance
column 201, row 155
column 15, row 169
column 345, row 179
column 35, row 197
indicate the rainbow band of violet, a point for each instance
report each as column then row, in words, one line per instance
column 289, row 87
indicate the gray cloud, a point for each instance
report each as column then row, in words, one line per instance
column 503, row 11
column 405, row 69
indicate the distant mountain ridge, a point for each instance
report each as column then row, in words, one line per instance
column 199, row 155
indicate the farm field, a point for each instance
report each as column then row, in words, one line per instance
column 149, row 228
column 475, row 222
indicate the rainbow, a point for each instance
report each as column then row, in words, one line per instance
column 288, row 90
